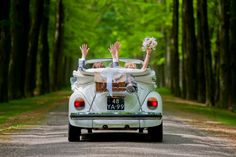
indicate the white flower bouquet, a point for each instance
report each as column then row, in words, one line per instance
column 149, row 43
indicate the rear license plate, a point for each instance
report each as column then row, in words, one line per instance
column 115, row 103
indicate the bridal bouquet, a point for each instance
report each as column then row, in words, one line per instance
column 149, row 43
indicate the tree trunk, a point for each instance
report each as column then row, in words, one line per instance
column 183, row 74
column 201, row 86
column 225, row 76
column 33, row 49
column 68, row 69
column 183, row 62
column 20, row 34
column 232, row 105
column 174, row 60
column 58, row 48
column 5, row 48
column 190, row 48
column 44, row 53
column 167, row 65
column 217, row 68
column 160, row 77
column 166, row 68
column 206, row 50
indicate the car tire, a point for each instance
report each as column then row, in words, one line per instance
column 90, row 131
column 73, row 133
column 156, row 133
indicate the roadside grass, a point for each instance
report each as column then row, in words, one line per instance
column 17, row 113
column 31, row 110
column 194, row 110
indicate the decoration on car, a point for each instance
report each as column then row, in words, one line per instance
column 111, row 75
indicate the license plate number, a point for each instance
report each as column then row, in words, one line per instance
column 115, row 103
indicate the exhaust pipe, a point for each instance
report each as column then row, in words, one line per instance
column 105, row 127
column 127, row 127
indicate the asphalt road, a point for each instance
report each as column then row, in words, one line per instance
column 50, row 139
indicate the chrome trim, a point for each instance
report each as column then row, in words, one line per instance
column 116, row 116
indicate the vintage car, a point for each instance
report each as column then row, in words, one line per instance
column 100, row 100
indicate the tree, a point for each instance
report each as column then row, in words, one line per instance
column 190, row 50
column 205, row 50
column 183, row 63
column 58, row 47
column 20, row 32
column 44, row 52
column 225, row 71
column 5, row 48
column 201, row 86
column 174, row 65
column 67, row 69
column 232, row 48
column 30, row 76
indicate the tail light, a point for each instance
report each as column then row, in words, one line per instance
column 152, row 103
column 79, row 103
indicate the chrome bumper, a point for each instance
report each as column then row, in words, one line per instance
column 116, row 116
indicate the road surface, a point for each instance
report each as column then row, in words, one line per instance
column 50, row 139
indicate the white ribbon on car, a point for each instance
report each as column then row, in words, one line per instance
column 108, row 74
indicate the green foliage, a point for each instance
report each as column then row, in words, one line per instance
column 164, row 91
column 100, row 23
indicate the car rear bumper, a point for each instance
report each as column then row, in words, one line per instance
column 116, row 116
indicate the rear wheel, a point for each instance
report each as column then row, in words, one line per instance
column 73, row 133
column 90, row 131
column 156, row 133
column 141, row 130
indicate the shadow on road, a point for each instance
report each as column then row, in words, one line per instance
column 134, row 137
column 116, row 137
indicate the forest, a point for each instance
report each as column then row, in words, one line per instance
column 195, row 56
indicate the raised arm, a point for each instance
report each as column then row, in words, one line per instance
column 149, row 44
column 147, row 58
column 114, row 50
column 84, row 51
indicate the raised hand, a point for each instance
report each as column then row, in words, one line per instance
column 84, row 50
column 117, row 46
column 114, row 50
